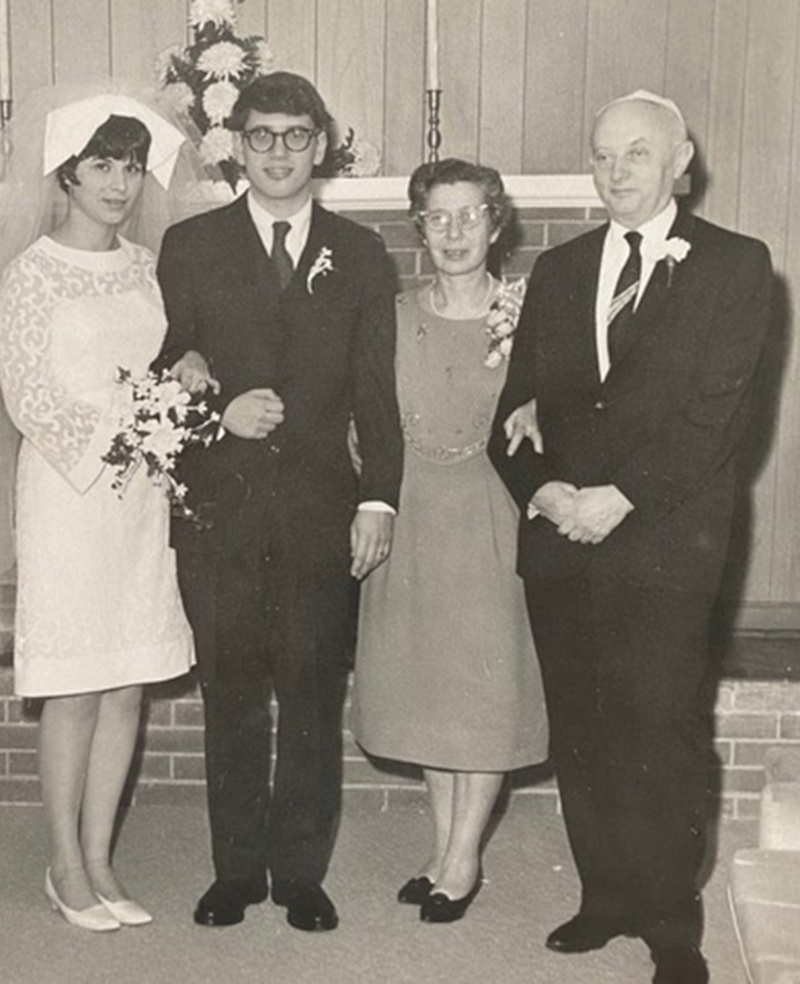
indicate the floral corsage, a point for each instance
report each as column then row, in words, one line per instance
column 321, row 266
column 502, row 319
column 674, row 250
column 159, row 421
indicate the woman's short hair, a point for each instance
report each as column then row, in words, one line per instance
column 280, row 92
column 120, row 138
column 453, row 170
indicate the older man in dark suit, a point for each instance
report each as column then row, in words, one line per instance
column 292, row 308
column 639, row 342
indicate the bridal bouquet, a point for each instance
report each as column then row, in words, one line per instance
column 160, row 420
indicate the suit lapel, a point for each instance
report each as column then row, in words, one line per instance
column 582, row 290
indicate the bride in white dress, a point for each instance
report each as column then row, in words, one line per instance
column 98, row 609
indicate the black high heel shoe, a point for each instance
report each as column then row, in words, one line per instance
column 439, row 908
column 415, row 890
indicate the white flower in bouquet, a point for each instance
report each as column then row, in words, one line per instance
column 265, row 57
column 366, row 160
column 159, row 421
column 217, row 11
column 217, row 145
column 177, row 97
column 222, row 60
column 218, row 101
column 163, row 63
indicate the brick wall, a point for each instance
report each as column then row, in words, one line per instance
column 750, row 716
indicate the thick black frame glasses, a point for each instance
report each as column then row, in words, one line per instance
column 261, row 140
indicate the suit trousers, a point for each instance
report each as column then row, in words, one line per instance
column 262, row 628
column 623, row 669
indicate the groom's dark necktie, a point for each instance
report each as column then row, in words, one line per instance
column 620, row 314
column 280, row 254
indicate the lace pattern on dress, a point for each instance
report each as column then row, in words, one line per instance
column 60, row 427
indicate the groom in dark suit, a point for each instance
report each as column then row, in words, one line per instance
column 639, row 342
column 292, row 309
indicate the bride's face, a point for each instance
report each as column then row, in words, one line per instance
column 107, row 190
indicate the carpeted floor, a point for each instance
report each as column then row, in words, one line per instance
column 163, row 856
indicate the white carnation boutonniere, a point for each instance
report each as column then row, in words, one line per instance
column 674, row 250
column 321, row 266
column 501, row 322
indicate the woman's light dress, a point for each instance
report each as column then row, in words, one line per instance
column 97, row 597
column 446, row 673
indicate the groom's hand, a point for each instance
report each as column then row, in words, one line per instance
column 254, row 414
column 370, row 540
column 596, row 511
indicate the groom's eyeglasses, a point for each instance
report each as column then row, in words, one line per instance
column 296, row 139
column 468, row 217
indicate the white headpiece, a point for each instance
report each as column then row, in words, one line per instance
column 70, row 128
column 642, row 95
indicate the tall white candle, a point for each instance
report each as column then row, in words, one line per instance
column 5, row 52
column 433, row 45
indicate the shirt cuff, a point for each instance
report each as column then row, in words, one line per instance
column 375, row 505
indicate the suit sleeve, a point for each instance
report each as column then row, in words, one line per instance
column 701, row 435
column 174, row 272
column 526, row 471
column 374, row 394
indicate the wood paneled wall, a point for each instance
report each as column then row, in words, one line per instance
column 522, row 80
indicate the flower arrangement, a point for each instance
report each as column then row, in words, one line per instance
column 204, row 79
column 161, row 420
column 501, row 322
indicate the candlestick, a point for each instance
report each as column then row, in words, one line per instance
column 432, row 45
column 433, row 137
column 5, row 53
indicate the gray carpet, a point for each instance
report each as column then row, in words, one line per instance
column 163, row 856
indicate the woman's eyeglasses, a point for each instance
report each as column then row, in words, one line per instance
column 296, row 139
column 468, row 217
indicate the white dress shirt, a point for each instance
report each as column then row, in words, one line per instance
column 615, row 253
column 295, row 242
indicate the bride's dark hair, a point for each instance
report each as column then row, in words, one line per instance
column 120, row 138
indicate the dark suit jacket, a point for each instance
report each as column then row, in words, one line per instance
column 665, row 424
column 326, row 348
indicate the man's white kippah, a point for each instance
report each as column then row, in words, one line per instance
column 642, row 95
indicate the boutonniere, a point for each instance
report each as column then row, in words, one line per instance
column 323, row 265
column 501, row 322
column 674, row 250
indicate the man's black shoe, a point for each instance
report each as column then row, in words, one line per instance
column 307, row 905
column 224, row 903
column 584, row 933
column 680, row 965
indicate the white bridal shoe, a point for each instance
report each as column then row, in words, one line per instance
column 126, row 911
column 96, row 918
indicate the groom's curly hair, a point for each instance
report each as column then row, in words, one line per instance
column 281, row 92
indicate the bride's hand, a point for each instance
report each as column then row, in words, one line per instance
column 192, row 372
column 520, row 424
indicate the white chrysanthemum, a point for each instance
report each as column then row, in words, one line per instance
column 177, row 97
column 265, row 56
column 218, row 100
column 222, row 60
column 366, row 160
column 217, row 145
column 163, row 61
column 218, row 11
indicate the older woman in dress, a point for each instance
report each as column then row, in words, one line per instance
column 98, row 609
column 446, row 674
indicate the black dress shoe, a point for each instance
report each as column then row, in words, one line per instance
column 440, row 908
column 307, row 904
column 415, row 890
column 680, row 965
column 583, row 933
column 224, row 903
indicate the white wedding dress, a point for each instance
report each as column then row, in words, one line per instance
column 98, row 605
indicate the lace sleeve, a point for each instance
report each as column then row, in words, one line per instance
column 64, row 430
